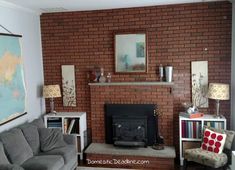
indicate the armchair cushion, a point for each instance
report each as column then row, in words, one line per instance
column 207, row 158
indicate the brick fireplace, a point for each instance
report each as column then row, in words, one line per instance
column 158, row 94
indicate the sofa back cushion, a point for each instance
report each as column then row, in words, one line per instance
column 3, row 157
column 51, row 139
column 32, row 136
column 16, row 146
column 38, row 123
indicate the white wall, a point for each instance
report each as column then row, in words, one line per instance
column 233, row 73
column 27, row 24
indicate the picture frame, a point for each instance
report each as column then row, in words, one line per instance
column 131, row 52
column 199, row 79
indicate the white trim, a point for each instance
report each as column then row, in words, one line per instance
column 79, row 5
column 17, row 7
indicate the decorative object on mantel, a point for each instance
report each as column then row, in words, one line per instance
column 218, row 91
column 199, row 72
column 131, row 52
column 169, row 73
column 161, row 74
column 94, row 74
column 102, row 78
column 68, row 85
column 109, row 77
column 51, row 91
column 12, row 83
column 159, row 143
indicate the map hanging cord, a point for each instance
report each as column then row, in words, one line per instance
column 6, row 29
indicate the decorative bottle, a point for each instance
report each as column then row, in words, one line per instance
column 102, row 77
column 109, row 78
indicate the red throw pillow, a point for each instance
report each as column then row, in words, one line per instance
column 213, row 141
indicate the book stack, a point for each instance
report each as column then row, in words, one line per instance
column 54, row 123
column 216, row 125
column 191, row 129
column 71, row 126
column 192, row 115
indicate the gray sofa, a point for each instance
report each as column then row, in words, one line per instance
column 31, row 146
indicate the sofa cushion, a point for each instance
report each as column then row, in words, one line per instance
column 3, row 157
column 44, row 162
column 32, row 136
column 10, row 167
column 50, row 139
column 16, row 146
column 68, row 152
column 38, row 123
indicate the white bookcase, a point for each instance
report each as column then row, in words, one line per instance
column 61, row 119
column 208, row 120
column 233, row 160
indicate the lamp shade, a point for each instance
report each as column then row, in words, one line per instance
column 218, row 91
column 51, row 91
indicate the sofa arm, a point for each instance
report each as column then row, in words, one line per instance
column 70, row 139
column 10, row 167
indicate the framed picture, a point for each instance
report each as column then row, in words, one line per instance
column 199, row 71
column 68, row 85
column 131, row 52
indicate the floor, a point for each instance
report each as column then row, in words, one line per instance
column 91, row 168
column 192, row 166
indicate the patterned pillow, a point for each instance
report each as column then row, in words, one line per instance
column 213, row 141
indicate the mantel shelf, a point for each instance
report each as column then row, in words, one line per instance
column 133, row 84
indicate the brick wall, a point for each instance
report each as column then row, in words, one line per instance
column 177, row 35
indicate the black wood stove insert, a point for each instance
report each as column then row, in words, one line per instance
column 130, row 124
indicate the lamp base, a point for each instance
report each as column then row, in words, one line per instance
column 218, row 116
column 158, row 146
column 217, row 110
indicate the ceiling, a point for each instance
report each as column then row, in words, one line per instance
column 42, row 6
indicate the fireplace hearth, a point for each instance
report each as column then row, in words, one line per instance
column 130, row 124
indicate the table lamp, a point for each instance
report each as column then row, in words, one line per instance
column 51, row 91
column 218, row 91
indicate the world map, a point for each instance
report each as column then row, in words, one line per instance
column 12, row 86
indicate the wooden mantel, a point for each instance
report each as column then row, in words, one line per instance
column 133, row 84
